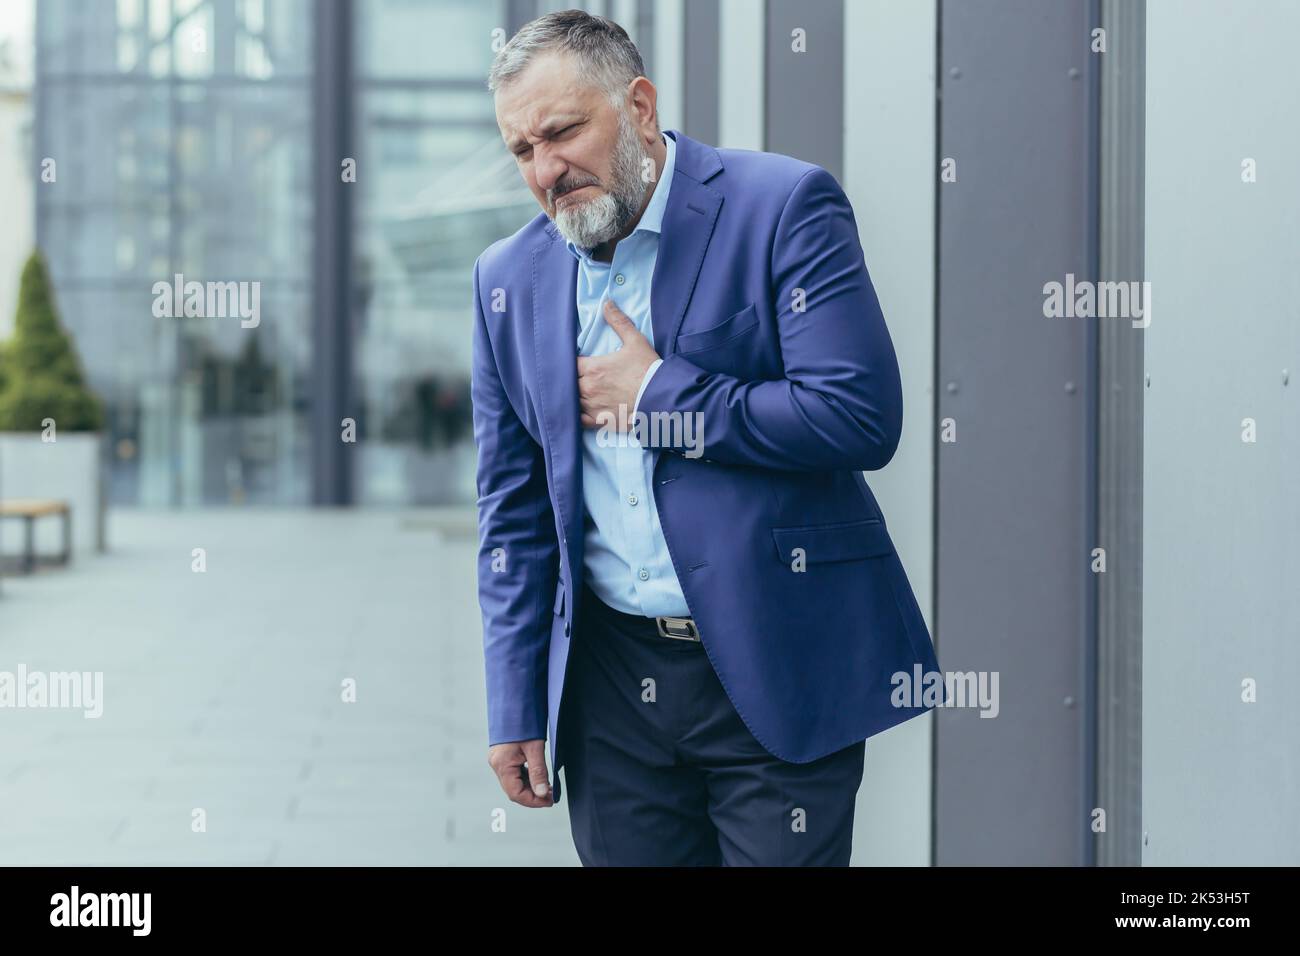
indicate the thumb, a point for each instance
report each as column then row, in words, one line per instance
column 535, row 755
column 620, row 323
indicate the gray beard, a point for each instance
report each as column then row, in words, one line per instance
column 590, row 223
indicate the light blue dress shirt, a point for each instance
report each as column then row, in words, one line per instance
column 627, row 562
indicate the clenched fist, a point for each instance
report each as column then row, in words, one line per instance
column 521, row 768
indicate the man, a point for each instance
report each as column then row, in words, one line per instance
column 680, row 372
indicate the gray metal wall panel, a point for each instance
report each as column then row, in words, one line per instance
column 700, row 102
column 804, row 110
column 1013, row 490
column 1221, row 576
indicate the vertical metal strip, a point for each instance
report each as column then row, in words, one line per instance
column 332, row 111
column 1088, row 666
column 1119, row 461
column 935, row 581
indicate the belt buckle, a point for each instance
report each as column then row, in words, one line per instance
column 678, row 628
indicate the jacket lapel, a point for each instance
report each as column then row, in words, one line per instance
column 555, row 345
column 684, row 237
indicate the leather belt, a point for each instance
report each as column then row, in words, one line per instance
column 676, row 628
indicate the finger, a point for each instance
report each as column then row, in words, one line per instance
column 619, row 322
column 591, row 364
column 512, row 784
column 526, row 796
column 535, row 754
column 591, row 407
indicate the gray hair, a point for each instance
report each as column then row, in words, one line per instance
column 605, row 53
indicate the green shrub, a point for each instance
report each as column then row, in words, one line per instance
column 40, row 375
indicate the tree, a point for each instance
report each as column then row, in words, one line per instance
column 42, row 376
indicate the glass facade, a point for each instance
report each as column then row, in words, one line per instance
column 435, row 188
column 182, row 132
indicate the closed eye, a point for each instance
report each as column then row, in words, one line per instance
column 527, row 147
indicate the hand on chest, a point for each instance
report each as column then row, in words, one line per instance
column 627, row 281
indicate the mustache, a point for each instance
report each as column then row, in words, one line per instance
column 568, row 187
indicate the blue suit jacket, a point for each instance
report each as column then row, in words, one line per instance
column 769, row 327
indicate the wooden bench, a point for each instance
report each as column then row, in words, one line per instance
column 29, row 509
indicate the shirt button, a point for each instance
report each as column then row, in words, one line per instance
column 643, row 574
column 632, row 500
column 619, row 279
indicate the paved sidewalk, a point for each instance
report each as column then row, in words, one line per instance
column 222, row 691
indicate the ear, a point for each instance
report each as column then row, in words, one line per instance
column 645, row 106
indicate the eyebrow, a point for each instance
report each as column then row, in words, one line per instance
column 547, row 129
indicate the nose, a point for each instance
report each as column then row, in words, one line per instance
column 548, row 168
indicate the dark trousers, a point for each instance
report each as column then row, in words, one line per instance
column 659, row 769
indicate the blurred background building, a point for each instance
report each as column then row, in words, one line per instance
column 16, row 53
column 186, row 136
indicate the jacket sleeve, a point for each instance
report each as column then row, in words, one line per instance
column 839, row 405
column 518, row 557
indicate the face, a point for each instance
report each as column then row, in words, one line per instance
column 582, row 158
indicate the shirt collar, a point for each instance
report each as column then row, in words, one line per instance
column 653, row 218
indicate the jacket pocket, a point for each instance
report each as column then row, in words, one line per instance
column 738, row 324
column 842, row 541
